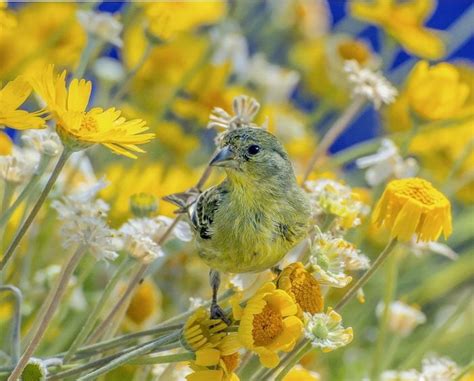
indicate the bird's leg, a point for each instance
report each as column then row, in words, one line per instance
column 216, row 311
column 276, row 270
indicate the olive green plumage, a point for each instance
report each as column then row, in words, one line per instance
column 258, row 213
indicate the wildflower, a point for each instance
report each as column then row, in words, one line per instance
column 45, row 141
column 245, row 109
column 269, row 324
column 404, row 22
column 404, row 375
column 200, row 331
column 302, row 287
column 102, row 25
column 143, row 204
column 413, row 206
column 12, row 95
column 403, row 319
column 137, row 236
column 439, row 369
column 369, row 84
column 298, row 373
column 325, row 331
column 109, row 70
column 327, row 261
column 436, row 92
column 386, row 163
column 422, row 248
column 19, row 166
column 35, row 370
column 329, row 197
column 144, row 304
column 79, row 129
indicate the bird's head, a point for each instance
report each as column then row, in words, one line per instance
column 253, row 154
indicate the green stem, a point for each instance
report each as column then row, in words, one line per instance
column 97, row 310
column 390, row 289
column 430, row 341
column 91, row 47
column 59, row 291
column 250, row 368
column 293, row 358
column 16, row 323
column 150, row 360
column 469, row 367
column 131, row 355
column 457, row 164
column 27, row 190
column 365, row 278
column 24, row 228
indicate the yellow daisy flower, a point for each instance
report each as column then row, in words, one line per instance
column 79, row 128
column 413, row 206
column 404, row 22
column 144, row 305
column 269, row 324
column 12, row 96
column 200, row 331
column 298, row 373
column 302, row 287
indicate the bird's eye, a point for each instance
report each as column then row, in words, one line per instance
column 253, row 149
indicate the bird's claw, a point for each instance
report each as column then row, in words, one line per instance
column 218, row 313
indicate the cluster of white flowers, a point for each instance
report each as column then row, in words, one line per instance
column 230, row 45
column 19, row 166
column 433, row 369
column 386, row 163
column 46, row 142
column 403, row 319
column 101, row 24
column 369, row 84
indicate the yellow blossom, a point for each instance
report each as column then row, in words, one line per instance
column 404, row 22
column 6, row 145
column 298, row 373
column 436, row 92
column 269, row 324
column 145, row 303
column 79, row 128
column 302, row 287
column 12, row 96
column 413, row 206
column 200, row 331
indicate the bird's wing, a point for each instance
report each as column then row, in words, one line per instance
column 204, row 211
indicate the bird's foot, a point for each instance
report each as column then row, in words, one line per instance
column 218, row 313
column 276, row 270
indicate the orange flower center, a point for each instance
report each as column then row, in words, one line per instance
column 267, row 325
column 306, row 291
column 353, row 50
column 231, row 361
column 89, row 124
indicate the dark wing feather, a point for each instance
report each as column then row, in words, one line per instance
column 204, row 212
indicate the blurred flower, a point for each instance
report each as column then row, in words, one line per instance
column 403, row 375
column 369, row 84
column 386, row 163
column 45, row 141
column 329, row 197
column 302, row 287
column 35, row 370
column 145, row 304
column 109, row 70
column 422, row 248
column 79, row 129
column 327, row 260
column 436, row 92
column 143, row 204
column 19, row 166
column 12, row 95
column 413, row 206
column 230, row 46
column 404, row 22
column 439, row 369
column 403, row 319
column 6, row 145
column 102, row 25
column 325, row 331
column 298, row 373
column 245, row 109
column 269, row 324
column 200, row 331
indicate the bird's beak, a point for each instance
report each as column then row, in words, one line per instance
column 224, row 158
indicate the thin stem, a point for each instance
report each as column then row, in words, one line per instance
column 365, row 278
column 26, row 190
column 60, row 289
column 24, row 228
column 91, row 46
column 303, row 348
column 250, row 368
column 97, row 310
column 334, row 132
column 391, row 285
column 131, row 355
column 150, row 360
column 469, row 367
column 16, row 322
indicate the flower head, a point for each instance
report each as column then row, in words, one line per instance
column 302, row 287
column 413, row 206
column 144, row 305
column 143, row 204
column 436, row 92
column 403, row 375
column 35, row 370
column 269, row 324
column 45, row 141
column 369, row 84
column 298, row 373
column 19, row 166
column 404, row 22
column 12, row 95
column 403, row 319
column 386, row 163
column 102, row 25
column 79, row 128
column 439, row 369
column 325, row 331
column 245, row 109
column 200, row 331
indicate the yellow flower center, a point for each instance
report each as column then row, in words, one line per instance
column 89, row 124
column 267, row 325
column 419, row 190
column 143, row 304
column 306, row 291
column 231, row 361
column 354, row 50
